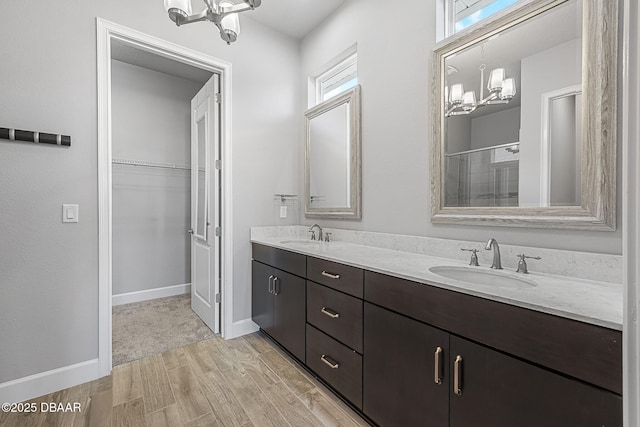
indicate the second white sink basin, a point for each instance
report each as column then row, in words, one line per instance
column 300, row 242
column 482, row 277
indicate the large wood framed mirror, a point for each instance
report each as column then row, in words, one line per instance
column 332, row 160
column 524, row 119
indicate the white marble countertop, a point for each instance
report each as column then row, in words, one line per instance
column 598, row 303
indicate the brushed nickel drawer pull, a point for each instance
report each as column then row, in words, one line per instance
column 437, row 375
column 328, row 362
column 457, row 375
column 276, row 288
column 330, row 312
column 271, row 284
column 330, row 276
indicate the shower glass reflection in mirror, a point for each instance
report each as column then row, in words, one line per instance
column 513, row 116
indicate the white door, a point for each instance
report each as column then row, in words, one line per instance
column 205, row 204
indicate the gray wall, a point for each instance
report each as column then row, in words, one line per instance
column 151, row 207
column 395, row 77
column 495, row 128
column 538, row 78
column 49, row 270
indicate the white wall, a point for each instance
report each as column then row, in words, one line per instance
column 48, row 270
column 394, row 71
column 151, row 207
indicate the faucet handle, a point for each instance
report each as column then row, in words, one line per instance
column 474, row 256
column 522, row 264
column 327, row 236
column 313, row 234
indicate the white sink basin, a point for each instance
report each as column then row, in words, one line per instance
column 482, row 277
column 300, row 242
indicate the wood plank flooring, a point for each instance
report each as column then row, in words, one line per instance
column 244, row 382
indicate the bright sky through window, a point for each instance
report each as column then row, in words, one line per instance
column 481, row 14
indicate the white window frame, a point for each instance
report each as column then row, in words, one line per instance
column 337, row 70
column 337, row 65
column 446, row 20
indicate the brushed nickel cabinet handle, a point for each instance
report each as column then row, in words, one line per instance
column 457, row 376
column 437, row 373
column 330, row 312
column 276, row 289
column 330, row 276
column 329, row 362
column 271, row 284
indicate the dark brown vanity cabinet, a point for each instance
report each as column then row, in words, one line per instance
column 409, row 354
column 406, row 371
column 418, row 375
column 499, row 390
column 278, row 297
column 334, row 326
column 481, row 385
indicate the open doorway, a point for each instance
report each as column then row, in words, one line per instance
column 163, row 137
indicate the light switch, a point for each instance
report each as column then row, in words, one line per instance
column 69, row 213
column 283, row 211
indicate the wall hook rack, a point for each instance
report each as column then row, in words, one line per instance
column 37, row 137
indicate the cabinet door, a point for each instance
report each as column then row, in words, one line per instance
column 261, row 299
column 399, row 370
column 289, row 313
column 499, row 390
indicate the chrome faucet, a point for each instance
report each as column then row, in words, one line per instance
column 493, row 244
column 313, row 234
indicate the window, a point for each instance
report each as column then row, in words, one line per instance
column 464, row 13
column 337, row 79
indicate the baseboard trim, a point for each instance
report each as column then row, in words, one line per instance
column 47, row 382
column 242, row 327
column 147, row 294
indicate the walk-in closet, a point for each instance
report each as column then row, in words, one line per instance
column 151, row 203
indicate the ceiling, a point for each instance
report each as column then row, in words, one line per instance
column 121, row 51
column 295, row 18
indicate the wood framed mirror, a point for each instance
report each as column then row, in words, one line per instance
column 332, row 157
column 533, row 143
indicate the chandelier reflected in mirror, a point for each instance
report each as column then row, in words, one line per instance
column 501, row 91
column 223, row 13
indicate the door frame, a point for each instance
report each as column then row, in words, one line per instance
column 107, row 31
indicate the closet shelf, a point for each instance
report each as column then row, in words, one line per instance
column 146, row 164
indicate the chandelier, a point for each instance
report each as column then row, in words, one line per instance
column 223, row 13
column 501, row 91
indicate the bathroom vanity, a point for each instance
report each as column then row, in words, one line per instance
column 407, row 348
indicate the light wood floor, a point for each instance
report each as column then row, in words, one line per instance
column 243, row 382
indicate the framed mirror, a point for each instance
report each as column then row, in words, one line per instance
column 524, row 119
column 332, row 157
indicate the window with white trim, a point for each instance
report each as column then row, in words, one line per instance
column 464, row 13
column 337, row 79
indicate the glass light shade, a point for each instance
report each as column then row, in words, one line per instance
column 495, row 79
column 182, row 5
column 469, row 99
column 457, row 92
column 508, row 88
column 231, row 22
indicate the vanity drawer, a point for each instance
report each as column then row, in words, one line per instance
column 284, row 260
column 336, row 364
column 588, row 352
column 341, row 277
column 336, row 314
